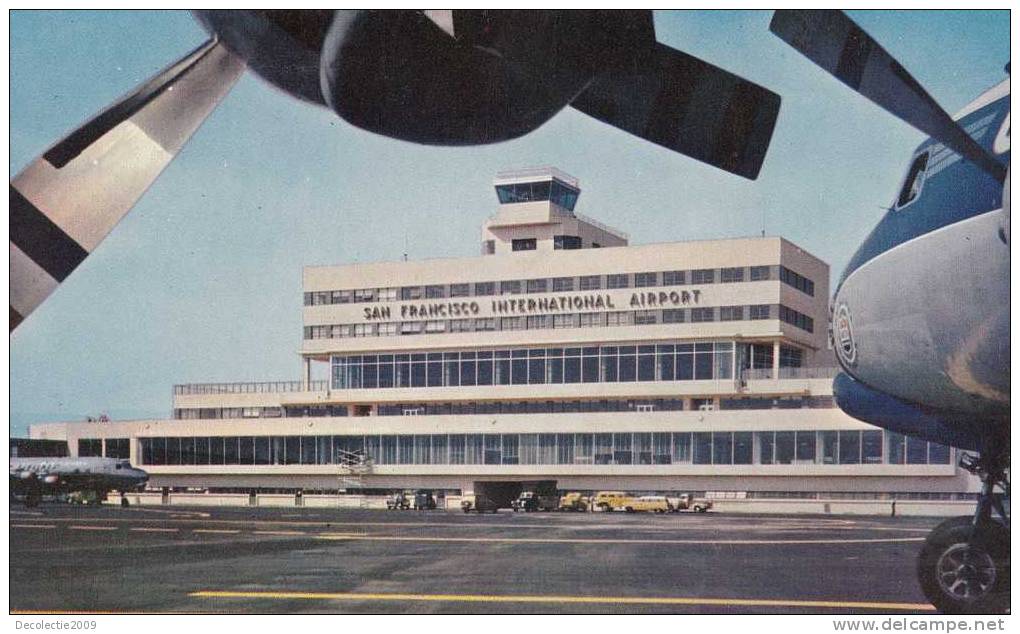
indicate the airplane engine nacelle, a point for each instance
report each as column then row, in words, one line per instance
column 26, row 475
column 437, row 77
column 51, row 479
column 484, row 76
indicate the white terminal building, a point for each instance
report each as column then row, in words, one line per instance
column 561, row 354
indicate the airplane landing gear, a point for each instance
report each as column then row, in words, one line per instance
column 964, row 564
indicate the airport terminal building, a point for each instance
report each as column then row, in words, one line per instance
column 562, row 353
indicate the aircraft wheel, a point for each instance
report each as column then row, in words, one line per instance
column 32, row 500
column 963, row 578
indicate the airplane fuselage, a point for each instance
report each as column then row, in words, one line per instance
column 922, row 312
column 61, row 475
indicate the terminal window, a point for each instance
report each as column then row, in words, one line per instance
column 524, row 244
column 703, row 276
column 673, row 278
column 761, row 273
column 731, row 275
column 590, row 282
column 618, row 281
column 566, row 242
column 646, row 279
column 561, row 284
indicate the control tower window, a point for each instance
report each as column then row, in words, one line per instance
column 525, row 244
column 563, row 196
column 554, row 191
column 566, row 242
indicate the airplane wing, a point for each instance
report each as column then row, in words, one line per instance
column 687, row 105
column 833, row 41
column 66, row 201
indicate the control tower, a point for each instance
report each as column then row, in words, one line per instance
column 536, row 213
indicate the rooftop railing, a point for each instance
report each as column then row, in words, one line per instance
column 623, row 235
column 263, row 387
column 537, row 172
column 791, row 373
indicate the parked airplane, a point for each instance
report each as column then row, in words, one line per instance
column 920, row 317
column 459, row 77
column 36, row 477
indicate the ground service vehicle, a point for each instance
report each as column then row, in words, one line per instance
column 529, row 501
column 574, row 501
column 610, row 500
column 478, row 504
column 648, row 503
column 424, row 501
column 398, row 502
column 688, row 502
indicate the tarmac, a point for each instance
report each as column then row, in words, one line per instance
column 297, row 560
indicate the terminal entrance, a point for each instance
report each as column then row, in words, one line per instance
column 504, row 492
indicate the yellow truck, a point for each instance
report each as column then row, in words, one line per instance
column 610, row 500
column 648, row 504
column 620, row 501
column 574, row 501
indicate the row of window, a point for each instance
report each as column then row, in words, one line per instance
column 792, row 317
column 639, row 448
column 796, row 280
column 563, row 284
column 705, row 314
column 510, row 407
column 530, row 244
column 534, row 366
column 93, row 447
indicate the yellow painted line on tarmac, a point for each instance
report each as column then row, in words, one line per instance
column 92, row 528
column 568, row 540
column 525, row 598
column 215, row 530
column 33, row 525
column 280, row 533
column 155, row 530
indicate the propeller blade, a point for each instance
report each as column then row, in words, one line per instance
column 687, row 105
column 66, row 201
column 829, row 38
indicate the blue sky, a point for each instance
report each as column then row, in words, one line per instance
column 202, row 280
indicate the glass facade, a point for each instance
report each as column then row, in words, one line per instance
column 604, row 448
column 536, row 366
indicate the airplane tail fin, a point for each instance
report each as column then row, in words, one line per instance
column 66, row 201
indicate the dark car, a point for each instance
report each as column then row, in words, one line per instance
column 424, row 501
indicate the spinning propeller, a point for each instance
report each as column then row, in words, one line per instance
column 460, row 77
column 833, row 41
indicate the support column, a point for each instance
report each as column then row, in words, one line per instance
column 306, row 374
column 775, row 360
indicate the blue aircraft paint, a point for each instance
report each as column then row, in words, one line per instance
column 957, row 192
column 863, row 403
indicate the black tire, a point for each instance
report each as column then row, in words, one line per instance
column 987, row 561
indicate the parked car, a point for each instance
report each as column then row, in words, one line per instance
column 574, row 501
column 424, row 501
column 478, row 504
column 529, row 501
column 398, row 502
column 687, row 502
column 648, row 503
column 610, row 500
